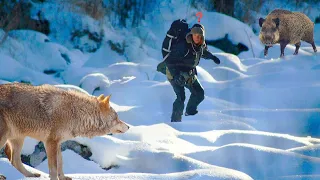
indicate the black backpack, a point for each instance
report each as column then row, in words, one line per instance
column 177, row 33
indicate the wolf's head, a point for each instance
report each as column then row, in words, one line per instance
column 269, row 33
column 110, row 117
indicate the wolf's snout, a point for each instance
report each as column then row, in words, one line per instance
column 121, row 127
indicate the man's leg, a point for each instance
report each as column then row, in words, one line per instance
column 196, row 97
column 178, row 104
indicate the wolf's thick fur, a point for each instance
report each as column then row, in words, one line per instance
column 51, row 115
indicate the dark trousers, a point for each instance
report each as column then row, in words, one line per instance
column 196, row 97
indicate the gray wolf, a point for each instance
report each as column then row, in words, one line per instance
column 51, row 115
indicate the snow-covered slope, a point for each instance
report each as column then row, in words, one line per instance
column 259, row 119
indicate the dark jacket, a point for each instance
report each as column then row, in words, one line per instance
column 186, row 56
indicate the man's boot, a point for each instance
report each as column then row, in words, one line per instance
column 191, row 113
column 176, row 117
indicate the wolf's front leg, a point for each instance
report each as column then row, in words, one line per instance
column 60, row 166
column 52, row 153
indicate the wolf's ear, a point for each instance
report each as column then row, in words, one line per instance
column 261, row 21
column 101, row 97
column 276, row 21
column 106, row 101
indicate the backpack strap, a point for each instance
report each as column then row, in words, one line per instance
column 172, row 37
column 166, row 56
column 166, row 50
column 170, row 42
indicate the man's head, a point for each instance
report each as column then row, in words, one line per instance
column 197, row 34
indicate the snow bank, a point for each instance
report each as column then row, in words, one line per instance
column 11, row 172
column 74, row 164
column 92, row 82
column 104, row 57
column 8, row 170
column 14, row 71
column 311, row 150
column 33, row 50
column 259, row 161
column 218, row 25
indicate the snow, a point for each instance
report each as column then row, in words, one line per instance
column 4, row 82
column 14, row 71
column 8, row 170
column 259, row 119
column 12, row 173
column 91, row 82
column 252, row 158
column 69, row 159
column 71, row 87
column 28, row 146
column 218, row 25
column 103, row 57
column 37, row 49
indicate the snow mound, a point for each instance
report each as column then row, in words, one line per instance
column 33, row 50
column 278, row 141
column 15, row 71
column 225, row 73
column 8, row 170
column 74, row 164
column 103, row 58
column 213, row 173
column 71, row 87
column 129, row 69
column 259, row 161
column 4, row 82
column 11, row 172
column 205, row 76
column 93, row 82
column 218, row 25
column 274, row 52
column 227, row 60
column 311, row 150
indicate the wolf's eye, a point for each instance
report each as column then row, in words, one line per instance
column 273, row 29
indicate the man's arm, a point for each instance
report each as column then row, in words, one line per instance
column 208, row 55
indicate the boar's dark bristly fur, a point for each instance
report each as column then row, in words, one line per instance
column 286, row 27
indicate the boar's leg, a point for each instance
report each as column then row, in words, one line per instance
column 283, row 44
column 266, row 50
column 297, row 48
column 314, row 46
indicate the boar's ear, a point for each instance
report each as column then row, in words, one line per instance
column 276, row 21
column 261, row 21
column 101, row 97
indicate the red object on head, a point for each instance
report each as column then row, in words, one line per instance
column 200, row 16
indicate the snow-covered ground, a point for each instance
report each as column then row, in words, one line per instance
column 259, row 119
